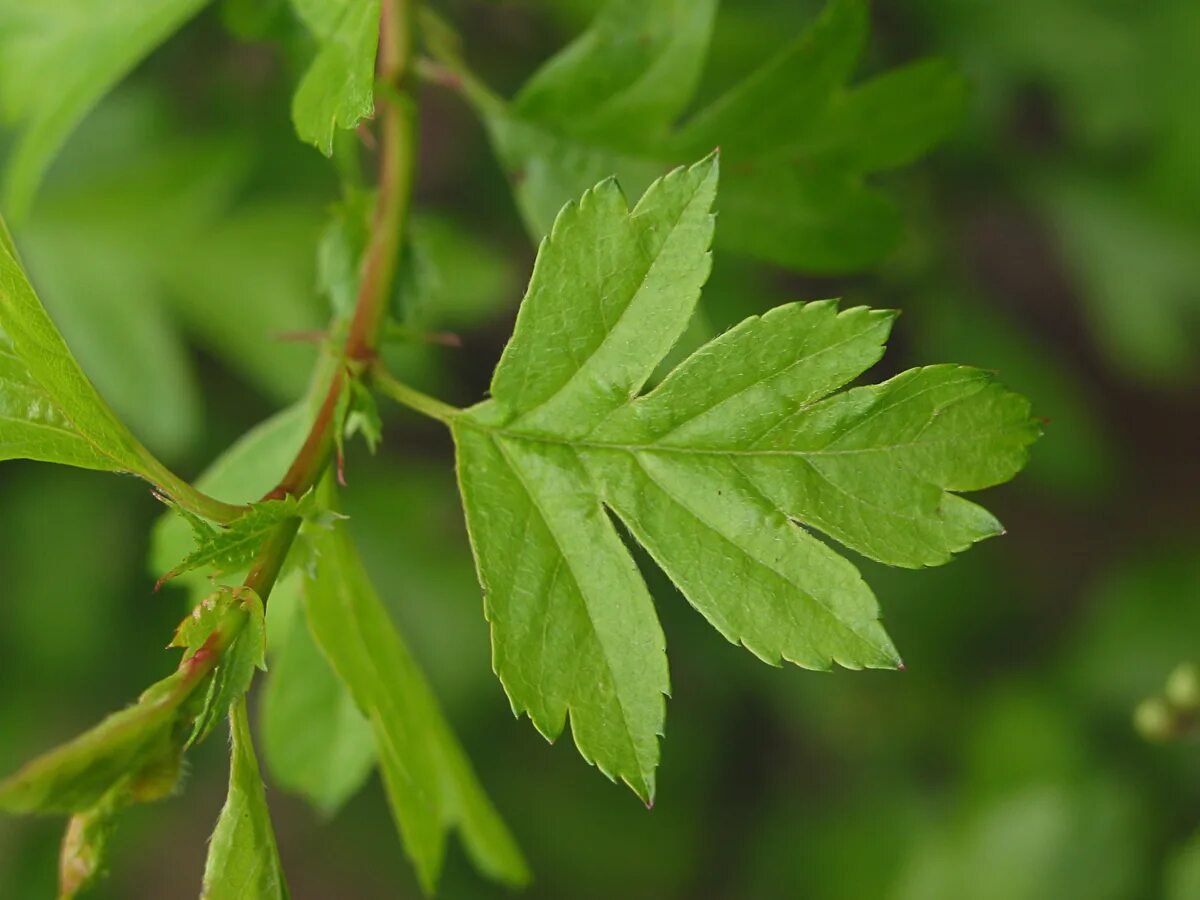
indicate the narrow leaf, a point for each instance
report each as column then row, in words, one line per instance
column 430, row 784
column 243, row 859
column 314, row 739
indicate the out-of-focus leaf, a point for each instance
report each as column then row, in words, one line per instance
column 1139, row 624
column 50, row 411
column 315, row 741
column 337, row 91
column 797, row 143
column 718, row 472
column 1039, row 843
column 58, row 59
column 121, row 213
column 627, row 76
column 431, row 786
column 1183, row 873
column 138, row 742
column 243, row 859
column 1140, row 274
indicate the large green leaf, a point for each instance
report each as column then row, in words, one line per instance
column 50, row 411
column 720, row 472
column 243, row 860
column 337, row 91
column 797, row 140
column 58, row 59
column 430, row 784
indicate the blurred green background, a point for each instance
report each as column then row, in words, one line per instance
column 1055, row 238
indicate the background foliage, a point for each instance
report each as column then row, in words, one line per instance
column 1051, row 238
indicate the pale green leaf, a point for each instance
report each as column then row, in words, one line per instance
column 430, row 784
column 243, row 859
column 721, row 472
column 58, row 59
column 337, row 91
column 315, row 741
column 139, row 742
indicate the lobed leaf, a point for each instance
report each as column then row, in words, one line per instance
column 243, row 859
column 721, row 472
column 57, row 60
column 430, row 784
column 798, row 142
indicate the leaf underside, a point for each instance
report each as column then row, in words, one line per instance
column 723, row 473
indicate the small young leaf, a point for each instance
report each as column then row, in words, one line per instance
column 244, row 472
column 243, row 859
column 719, row 473
column 315, row 741
column 58, row 59
column 429, row 780
column 233, row 547
column 238, row 612
column 337, row 91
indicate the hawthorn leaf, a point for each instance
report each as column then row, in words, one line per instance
column 57, row 60
column 243, row 858
column 798, row 142
column 137, row 748
column 314, row 739
column 430, row 784
column 337, row 91
column 722, row 473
